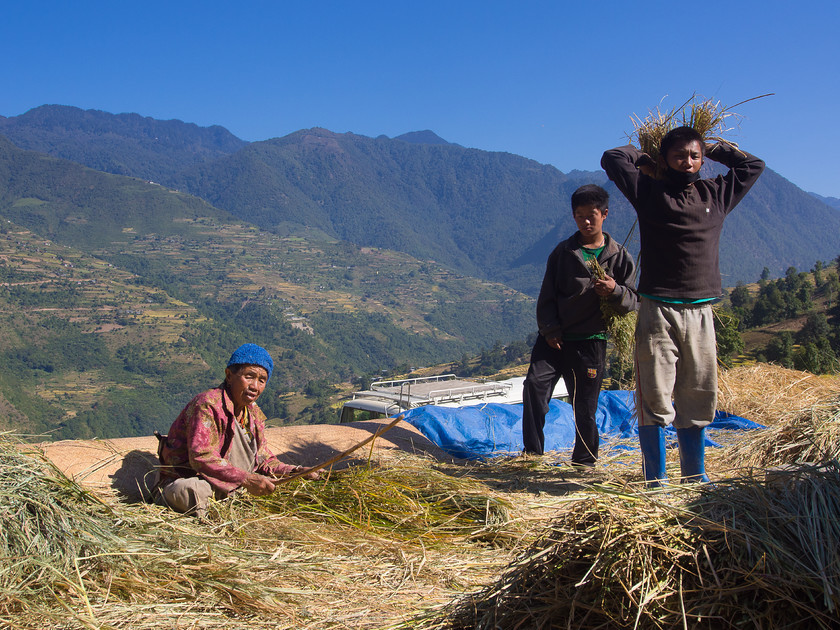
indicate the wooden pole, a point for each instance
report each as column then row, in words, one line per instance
column 341, row 456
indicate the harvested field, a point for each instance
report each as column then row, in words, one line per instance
column 408, row 538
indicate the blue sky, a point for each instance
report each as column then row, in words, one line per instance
column 553, row 81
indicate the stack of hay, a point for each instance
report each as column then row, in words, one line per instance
column 741, row 556
column 743, row 553
column 706, row 116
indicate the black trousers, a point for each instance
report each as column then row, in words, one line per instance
column 581, row 365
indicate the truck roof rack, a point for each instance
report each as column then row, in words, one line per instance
column 433, row 390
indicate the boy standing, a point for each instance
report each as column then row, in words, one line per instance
column 572, row 342
column 680, row 221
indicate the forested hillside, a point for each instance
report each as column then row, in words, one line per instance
column 474, row 211
column 834, row 202
column 345, row 255
column 793, row 321
column 119, row 297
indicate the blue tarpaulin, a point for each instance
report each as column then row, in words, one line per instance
column 492, row 429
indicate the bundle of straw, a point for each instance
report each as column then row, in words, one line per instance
column 407, row 503
column 621, row 327
column 706, row 116
column 805, row 436
column 742, row 556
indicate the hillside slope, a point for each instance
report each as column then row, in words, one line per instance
column 474, row 211
column 120, row 298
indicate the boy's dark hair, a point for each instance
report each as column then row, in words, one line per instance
column 590, row 194
column 680, row 135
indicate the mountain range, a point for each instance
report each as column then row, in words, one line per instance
column 157, row 245
column 485, row 214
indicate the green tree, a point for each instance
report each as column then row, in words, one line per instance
column 817, row 357
column 320, row 389
column 769, row 306
column 816, row 327
column 780, row 349
column 741, row 302
column 729, row 341
column 831, row 290
column 817, row 270
column 765, row 275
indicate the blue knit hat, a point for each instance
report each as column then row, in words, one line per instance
column 252, row 354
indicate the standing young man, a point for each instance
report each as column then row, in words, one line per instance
column 572, row 340
column 680, row 221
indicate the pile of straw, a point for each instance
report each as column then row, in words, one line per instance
column 805, row 436
column 767, row 393
column 363, row 548
column 68, row 560
column 409, row 502
column 740, row 556
column 707, row 116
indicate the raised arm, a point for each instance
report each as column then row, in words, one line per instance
column 624, row 166
column 744, row 170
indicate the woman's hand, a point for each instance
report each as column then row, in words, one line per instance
column 258, row 485
column 311, row 475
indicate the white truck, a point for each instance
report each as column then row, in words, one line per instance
column 388, row 398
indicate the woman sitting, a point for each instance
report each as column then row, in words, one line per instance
column 217, row 444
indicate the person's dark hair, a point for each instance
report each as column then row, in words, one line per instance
column 680, row 135
column 590, row 194
column 236, row 368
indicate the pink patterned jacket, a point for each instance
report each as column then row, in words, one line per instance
column 200, row 438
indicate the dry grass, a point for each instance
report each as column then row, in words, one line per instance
column 806, row 436
column 798, row 409
column 743, row 555
column 767, row 393
column 513, row 543
column 365, row 546
column 710, row 118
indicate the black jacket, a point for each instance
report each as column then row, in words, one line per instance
column 679, row 227
column 568, row 302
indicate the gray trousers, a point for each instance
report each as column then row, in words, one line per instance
column 188, row 494
column 676, row 359
column 191, row 494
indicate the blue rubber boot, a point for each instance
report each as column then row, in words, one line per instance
column 693, row 454
column 652, row 443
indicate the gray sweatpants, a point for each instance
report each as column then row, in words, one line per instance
column 676, row 359
column 189, row 494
